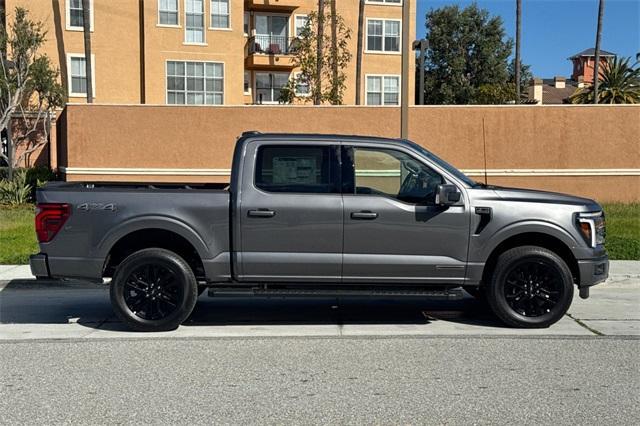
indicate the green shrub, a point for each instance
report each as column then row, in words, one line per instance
column 17, row 190
column 34, row 177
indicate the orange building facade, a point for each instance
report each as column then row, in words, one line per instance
column 211, row 52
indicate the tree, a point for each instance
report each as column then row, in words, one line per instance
column 317, row 98
column 334, row 48
column 329, row 85
column 359, row 51
column 29, row 87
column 525, row 75
column 619, row 84
column 596, row 66
column 86, row 28
column 467, row 49
column 517, row 65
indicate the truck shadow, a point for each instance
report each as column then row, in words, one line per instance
column 32, row 302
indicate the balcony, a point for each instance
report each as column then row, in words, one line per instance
column 270, row 52
column 271, row 5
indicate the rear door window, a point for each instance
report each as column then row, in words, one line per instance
column 297, row 169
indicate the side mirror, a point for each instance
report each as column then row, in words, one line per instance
column 447, row 195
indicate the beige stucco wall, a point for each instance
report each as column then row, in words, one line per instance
column 587, row 150
column 124, row 75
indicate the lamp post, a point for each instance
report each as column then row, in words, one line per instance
column 422, row 46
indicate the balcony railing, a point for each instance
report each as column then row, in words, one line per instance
column 272, row 44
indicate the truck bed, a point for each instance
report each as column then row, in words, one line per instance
column 107, row 215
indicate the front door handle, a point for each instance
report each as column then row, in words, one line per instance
column 364, row 215
column 261, row 213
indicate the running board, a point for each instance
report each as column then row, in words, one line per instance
column 452, row 294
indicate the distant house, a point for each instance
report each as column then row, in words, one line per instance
column 584, row 62
column 557, row 90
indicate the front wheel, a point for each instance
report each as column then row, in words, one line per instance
column 531, row 287
column 153, row 290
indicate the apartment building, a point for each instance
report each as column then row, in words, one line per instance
column 210, row 52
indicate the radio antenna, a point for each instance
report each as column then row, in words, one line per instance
column 484, row 147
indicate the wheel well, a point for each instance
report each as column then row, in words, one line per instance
column 153, row 238
column 533, row 239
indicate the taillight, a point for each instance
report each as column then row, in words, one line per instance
column 50, row 218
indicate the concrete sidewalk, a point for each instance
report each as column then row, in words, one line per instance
column 619, row 269
column 31, row 309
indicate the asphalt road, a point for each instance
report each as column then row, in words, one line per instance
column 452, row 380
column 64, row 358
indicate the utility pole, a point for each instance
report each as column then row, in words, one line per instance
column 86, row 23
column 518, row 35
column 422, row 46
column 404, row 101
column 596, row 66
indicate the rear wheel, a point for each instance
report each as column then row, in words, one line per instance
column 531, row 287
column 153, row 290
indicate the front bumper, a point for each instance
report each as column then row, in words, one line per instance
column 592, row 272
column 39, row 265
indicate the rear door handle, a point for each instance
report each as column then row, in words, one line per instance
column 365, row 215
column 261, row 213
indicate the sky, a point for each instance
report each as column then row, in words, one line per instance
column 553, row 30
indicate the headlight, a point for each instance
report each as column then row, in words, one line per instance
column 591, row 226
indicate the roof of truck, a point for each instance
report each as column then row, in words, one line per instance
column 252, row 134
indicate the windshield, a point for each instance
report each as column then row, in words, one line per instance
column 443, row 164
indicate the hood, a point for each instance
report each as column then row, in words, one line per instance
column 533, row 196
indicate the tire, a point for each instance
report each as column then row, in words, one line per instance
column 153, row 290
column 531, row 287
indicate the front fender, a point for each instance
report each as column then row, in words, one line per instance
column 165, row 223
column 481, row 249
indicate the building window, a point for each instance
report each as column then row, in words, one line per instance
column 383, row 90
column 247, row 18
column 195, row 83
column 269, row 87
column 168, row 12
column 392, row 2
column 247, row 83
column 300, row 23
column 383, row 35
column 302, row 87
column 219, row 13
column 77, row 80
column 194, row 25
column 75, row 20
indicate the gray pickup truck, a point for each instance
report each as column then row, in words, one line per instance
column 309, row 215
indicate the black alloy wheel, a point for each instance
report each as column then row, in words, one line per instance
column 153, row 290
column 531, row 287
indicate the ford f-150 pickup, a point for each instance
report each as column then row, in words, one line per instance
column 309, row 215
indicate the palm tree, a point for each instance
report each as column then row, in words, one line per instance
column 86, row 24
column 620, row 84
column 596, row 66
column 359, row 51
column 518, row 36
